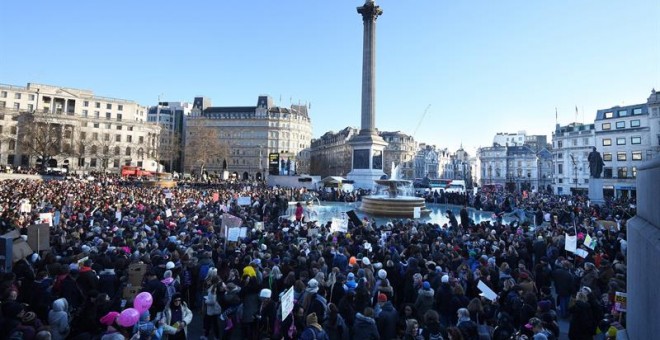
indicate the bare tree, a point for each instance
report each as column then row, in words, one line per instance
column 205, row 148
column 171, row 151
column 42, row 135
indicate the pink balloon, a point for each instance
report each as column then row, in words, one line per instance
column 143, row 302
column 128, row 317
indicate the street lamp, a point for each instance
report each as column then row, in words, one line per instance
column 575, row 172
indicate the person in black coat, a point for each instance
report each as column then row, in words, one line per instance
column 386, row 321
column 365, row 326
column 582, row 324
column 563, row 280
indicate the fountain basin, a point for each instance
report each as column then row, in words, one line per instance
column 393, row 207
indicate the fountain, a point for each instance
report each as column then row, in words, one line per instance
column 393, row 198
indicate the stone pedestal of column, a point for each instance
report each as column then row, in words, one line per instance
column 596, row 190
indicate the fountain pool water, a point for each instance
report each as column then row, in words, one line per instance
column 437, row 213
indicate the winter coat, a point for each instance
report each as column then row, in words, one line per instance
column 387, row 321
column 365, row 328
column 582, row 324
column 339, row 331
column 186, row 316
column 424, row 302
column 58, row 319
column 563, row 282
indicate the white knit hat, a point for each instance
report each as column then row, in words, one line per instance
column 382, row 274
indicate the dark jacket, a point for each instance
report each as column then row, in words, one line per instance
column 563, row 282
column 337, row 331
column 365, row 328
column 387, row 320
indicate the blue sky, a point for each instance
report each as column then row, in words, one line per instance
column 483, row 66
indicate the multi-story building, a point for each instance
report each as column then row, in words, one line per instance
column 74, row 129
column 250, row 134
column 330, row 154
column 461, row 166
column 170, row 116
column 427, row 163
column 625, row 138
column 400, row 150
column 510, row 139
column 515, row 168
column 571, row 145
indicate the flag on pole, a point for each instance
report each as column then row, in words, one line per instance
column 556, row 116
column 576, row 113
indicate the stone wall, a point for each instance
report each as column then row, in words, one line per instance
column 643, row 254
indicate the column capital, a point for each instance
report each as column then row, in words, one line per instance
column 370, row 11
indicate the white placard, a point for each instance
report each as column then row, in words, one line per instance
column 571, row 243
column 486, row 291
column 46, row 218
column 244, row 200
column 339, row 225
column 417, row 212
column 26, row 207
column 233, row 234
column 168, row 213
column 168, row 195
column 258, row 226
column 287, row 303
column 242, row 232
column 118, row 215
column 581, row 253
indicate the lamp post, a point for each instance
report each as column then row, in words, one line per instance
column 575, row 173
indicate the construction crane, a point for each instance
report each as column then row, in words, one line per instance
column 421, row 120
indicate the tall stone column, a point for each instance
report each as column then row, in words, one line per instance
column 370, row 13
column 368, row 146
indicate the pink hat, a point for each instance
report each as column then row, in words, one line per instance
column 109, row 318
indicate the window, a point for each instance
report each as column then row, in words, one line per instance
column 621, row 141
column 560, row 168
column 609, row 114
column 108, row 126
column 108, row 115
column 108, row 106
column 634, row 172
column 92, row 162
column 130, row 128
column 115, row 163
column 95, row 136
column 620, row 156
column 17, row 106
column 128, row 151
column 620, row 125
column 17, row 96
column 117, row 150
column 86, row 103
column 30, row 107
column 31, row 97
column 561, row 180
column 13, row 130
column 12, row 145
column 3, row 94
column 118, row 127
column 83, row 135
column 97, row 105
column 635, row 123
column 607, row 141
column 636, row 155
column 141, row 139
column 129, row 138
column 3, row 104
column 560, row 155
column 85, row 113
column 635, row 140
column 607, row 173
column 623, row 113
column 637, row 111
column 585, row 141
column 622, row 172
column 574, row 142
column 120, row 107
column 559, row 144
column 119, row 116
column 97, row 114
column 106, row 137
column 117, row 138
column 96, row 125
column 607, row 126
column 607, row 156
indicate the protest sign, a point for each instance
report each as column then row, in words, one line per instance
column 590, row 242
column 287, row 303
column 25, row 207
column 621, row 301
column 581, row 253
column 244, row 200
column 216, row 197
column 45, row 218
column 39, row 237
column 168, row 213
column 486, row 291
column 571, row 243
column 233, row 234
column 118, row 215
column 339, row 225
column 242, row 232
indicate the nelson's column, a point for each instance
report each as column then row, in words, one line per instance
column 368, row 146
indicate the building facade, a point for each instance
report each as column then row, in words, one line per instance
column 74, row 129
column 170, row 116
column 250, row 134
column 400, row 151
column 330, row 154
column 515, row 168
column 626, row 137
column 571, row 145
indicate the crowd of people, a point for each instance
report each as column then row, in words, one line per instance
column 401, row 279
